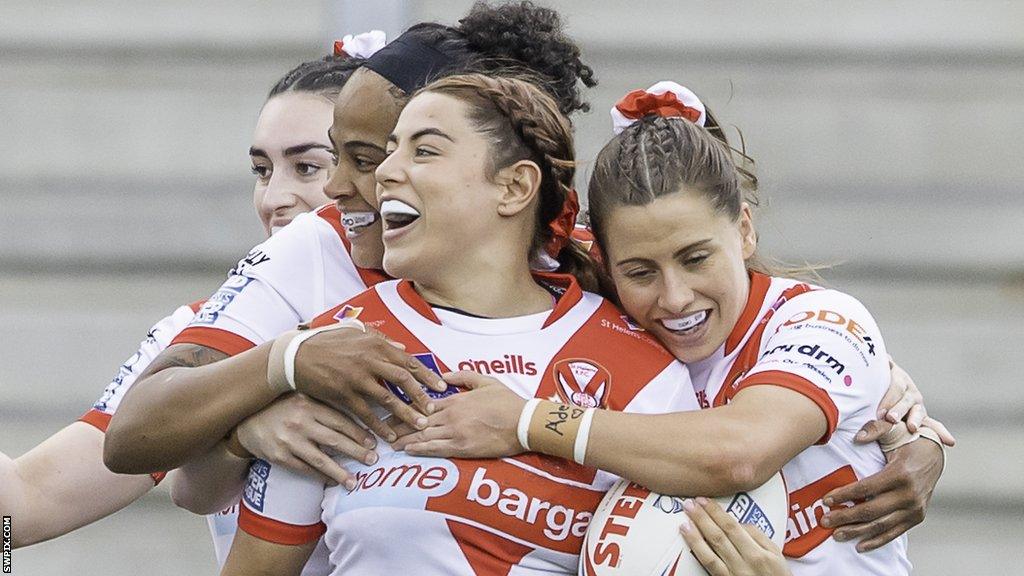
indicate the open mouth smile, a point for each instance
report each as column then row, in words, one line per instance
column 397, row 214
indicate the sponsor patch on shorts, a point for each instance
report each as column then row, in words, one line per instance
column 256, row 485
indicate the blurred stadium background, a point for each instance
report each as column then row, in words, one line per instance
column 887, row 137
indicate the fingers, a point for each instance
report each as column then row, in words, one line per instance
column 442, row 448
column 469, row 380
column 335, row 444
column 861, row 513
column 878, row 532
column 365, row 414
column 419, row 373
column 880, row 540
column 343, row 424
column 940, row 428
column 297, row 465
column 718, row 532
column 874, row 485
column 871, row 431
column 915, row 417
column 420, row 437
column 399, row 409
column 896, row 392
column 761, row 539
column 323, row 465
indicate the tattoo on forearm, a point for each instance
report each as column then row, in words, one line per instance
column 185, row 356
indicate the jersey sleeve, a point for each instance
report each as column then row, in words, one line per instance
column 281, row 506
column 825, row 345
column 669, row 391
column 158, row 338
column 270, row 291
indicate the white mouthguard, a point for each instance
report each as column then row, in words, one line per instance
column 390, row 207
column 685, row 323
column 357, row 219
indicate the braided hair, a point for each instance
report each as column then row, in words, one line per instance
column 521, row 122
column 325, row 76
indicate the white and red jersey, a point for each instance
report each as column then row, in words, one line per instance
column 294, row 275
column 521, row 515
column 825, row 345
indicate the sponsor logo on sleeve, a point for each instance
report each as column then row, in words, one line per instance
column 211, row 309
column 348, row 313
column 849, row 328
column 804, row 531
column 254, row 258
column 256, row 485
column 584, row 383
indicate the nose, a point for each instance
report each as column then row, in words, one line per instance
column 339, row 185
column 388, row 172
column 676, row 294
column 279, row 194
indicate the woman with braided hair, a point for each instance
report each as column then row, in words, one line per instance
column 485, row 164
column 788, row 372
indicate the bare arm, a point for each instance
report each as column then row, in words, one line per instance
column 185, row 402
column 61, row 485
column 701, row 452
column 211, row 482
column 251, row 556
column 191, row 396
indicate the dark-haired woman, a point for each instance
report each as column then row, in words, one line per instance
column 322, row 259
column 62, row 484
column 790, row 371
column 487, row 164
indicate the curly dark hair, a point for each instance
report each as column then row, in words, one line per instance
column 325, row 76
column 519, row 39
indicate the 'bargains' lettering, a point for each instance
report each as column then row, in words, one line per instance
column 560, row 522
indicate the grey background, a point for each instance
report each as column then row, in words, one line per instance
column 886, row 134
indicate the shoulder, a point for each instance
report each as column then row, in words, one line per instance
column 361, row 306
column 612, row 331
column 829, row 312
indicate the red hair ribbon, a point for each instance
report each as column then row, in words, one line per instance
column 640, row 103
column 339, row 49
column 563, row 224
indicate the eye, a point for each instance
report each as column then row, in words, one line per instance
column 696, row 260
column 639, row 274
column 262, row 173
column 307, row 169
column 334, row 157
column 424, row 152
column 363, row 163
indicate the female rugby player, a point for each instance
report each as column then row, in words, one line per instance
column 790, row 371
column 62, row 484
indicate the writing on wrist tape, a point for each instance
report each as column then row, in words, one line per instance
column 281, row 363
column 555, row 429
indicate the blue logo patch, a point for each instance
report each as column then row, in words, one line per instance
column 746, row 511
column 430, row 362
column 256, row 484
column 211, row 309
column 669, row 504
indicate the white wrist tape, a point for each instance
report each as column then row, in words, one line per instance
column 523, row 429
column 281, row 364
column 898, row 436
column 579, row 450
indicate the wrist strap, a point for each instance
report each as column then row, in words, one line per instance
column 579, row 452
column 281, row 363
column 522, row 430
column 898, row 436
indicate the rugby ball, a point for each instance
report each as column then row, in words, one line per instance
column 635, row 531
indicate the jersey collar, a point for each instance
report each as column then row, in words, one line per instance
column 566, row 284
column 759, row 284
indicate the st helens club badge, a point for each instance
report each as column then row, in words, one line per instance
column 581, row 382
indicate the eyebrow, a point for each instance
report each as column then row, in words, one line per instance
column 291, row 150
column 421, row 133
column 678, row 253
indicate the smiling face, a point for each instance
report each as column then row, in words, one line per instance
column 434, row 189
column 679, row 269
column 290, row 157
column 363, row 117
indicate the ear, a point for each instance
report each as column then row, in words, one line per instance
column 748, row 236
column 519, row 184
